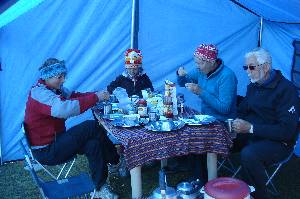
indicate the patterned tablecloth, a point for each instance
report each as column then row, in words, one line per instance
column 142, row 145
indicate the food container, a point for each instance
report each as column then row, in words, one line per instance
column 226, row 188
column 107, row 108
column 142, row 107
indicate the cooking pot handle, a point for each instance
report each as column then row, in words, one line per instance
column 252, row 189
column 202, row 190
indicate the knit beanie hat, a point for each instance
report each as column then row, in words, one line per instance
column 52, row 67
column 133, row 58
column 208, row 51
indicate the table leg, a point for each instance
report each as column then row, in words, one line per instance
column 136, row 182
column 212, row 166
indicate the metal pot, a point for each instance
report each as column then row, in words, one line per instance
column 163, row 191
column 226, row 188
column 170, row 193
column 187, row 190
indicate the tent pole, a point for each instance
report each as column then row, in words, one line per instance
column 133, row 24
column 260, row 31
column 1, row 161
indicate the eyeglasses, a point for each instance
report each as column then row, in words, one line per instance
column 251, row 67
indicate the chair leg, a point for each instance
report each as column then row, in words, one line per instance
column 70, row 168
column 237, row 171
column 273, row 189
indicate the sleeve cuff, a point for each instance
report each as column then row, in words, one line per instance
column 251, row 129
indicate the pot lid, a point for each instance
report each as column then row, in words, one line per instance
column 170, row 193
column 184, row 186
column 227, row 188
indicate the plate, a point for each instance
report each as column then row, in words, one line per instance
column 204, row 119
column 191, row 122
column 113, row 116
column 124, row 123
column 165, row 126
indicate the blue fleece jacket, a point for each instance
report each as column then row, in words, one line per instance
column 218, row 91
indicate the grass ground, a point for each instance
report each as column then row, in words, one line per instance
column 15, row 182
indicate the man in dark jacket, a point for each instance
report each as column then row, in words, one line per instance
column 267, row 120
column 133, row 80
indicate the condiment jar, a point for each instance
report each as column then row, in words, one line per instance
column 142, row 108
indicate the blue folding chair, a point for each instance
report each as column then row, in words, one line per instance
column 75, row 186
column 65, row 168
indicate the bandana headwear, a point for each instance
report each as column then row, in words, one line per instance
column 133, row 58
column 53, row 70
column 208, row 51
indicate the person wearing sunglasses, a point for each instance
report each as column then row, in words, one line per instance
column 48, row 106
column 133, row 79
column 216, row 85
column 267, row 120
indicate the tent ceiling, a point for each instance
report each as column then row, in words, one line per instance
column 277, row 11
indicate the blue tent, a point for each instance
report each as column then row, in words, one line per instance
column 91, row 36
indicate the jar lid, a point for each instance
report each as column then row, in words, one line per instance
column 227, row 188
column 142, row 101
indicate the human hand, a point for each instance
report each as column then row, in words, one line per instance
column 181, row 71
column 194, row 88
column 102, row 95
column 241, row 126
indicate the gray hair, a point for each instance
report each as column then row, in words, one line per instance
column 262, row 56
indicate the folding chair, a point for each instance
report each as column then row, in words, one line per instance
column 75, row 186
column 228, row 165
column 276, row 168
column 65, row 168
column 271, row 174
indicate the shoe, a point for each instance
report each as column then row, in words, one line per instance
column 123, row 171
column 113, row 169
column 104, row 193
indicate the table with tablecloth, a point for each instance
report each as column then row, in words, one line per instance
column 142, row 146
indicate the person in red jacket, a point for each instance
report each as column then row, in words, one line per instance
column 49, row 105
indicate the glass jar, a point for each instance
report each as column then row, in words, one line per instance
column 142, row 108
column 168, row 107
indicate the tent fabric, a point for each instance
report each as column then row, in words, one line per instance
column 278, row 39
column 91, row 36
column 276, row 11
column 180, row 26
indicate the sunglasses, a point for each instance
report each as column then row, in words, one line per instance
column 251, row 67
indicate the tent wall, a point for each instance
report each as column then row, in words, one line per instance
column 278, row 39
column 169, row 32
column 91, row 36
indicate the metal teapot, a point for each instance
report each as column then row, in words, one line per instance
column 163, row 191
column 189, row 190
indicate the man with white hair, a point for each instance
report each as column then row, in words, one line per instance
column 267, row 120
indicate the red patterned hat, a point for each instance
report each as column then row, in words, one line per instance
column 208, row 51
column 133, row 57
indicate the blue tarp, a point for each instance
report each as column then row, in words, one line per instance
column 93, row 35
column 90, row 36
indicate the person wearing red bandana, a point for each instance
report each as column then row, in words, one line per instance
column 216, row 85
column 133, row 79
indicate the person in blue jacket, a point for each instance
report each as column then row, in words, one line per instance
column 267, row 120
column 216, row 85
column 212, row 81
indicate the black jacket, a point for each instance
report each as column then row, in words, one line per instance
column 127, row 83
column 273, row 109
